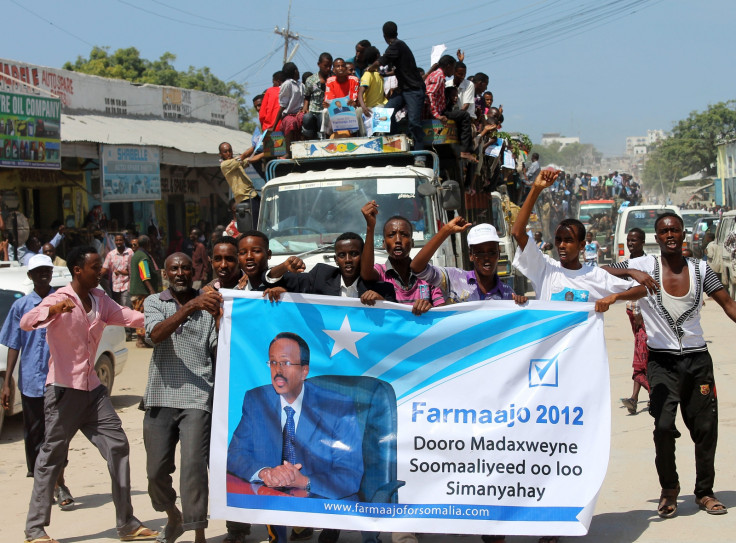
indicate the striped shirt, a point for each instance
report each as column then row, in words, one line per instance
column 408, row 293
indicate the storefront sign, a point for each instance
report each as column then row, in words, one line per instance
column 130, row 173
column 29, row 131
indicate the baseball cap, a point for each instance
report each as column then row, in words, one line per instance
column 39, row 261
column 482, row 233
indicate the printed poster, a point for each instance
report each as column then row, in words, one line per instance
column 342, row 116
column 130, row 173
column 30, row 131
column 471, row 418
column 379, row 121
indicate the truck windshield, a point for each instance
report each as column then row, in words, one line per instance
column 307, row 216
column 589, row 211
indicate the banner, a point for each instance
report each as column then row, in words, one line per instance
column 130, row 173
column 342, row 116
column 476, row 418
column 30, row 131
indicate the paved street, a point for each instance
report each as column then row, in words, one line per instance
column 625, row 510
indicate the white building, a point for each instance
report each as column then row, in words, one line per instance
column 637, row 145
column 556, row 137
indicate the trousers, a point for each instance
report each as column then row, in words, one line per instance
column 163, row 427
column 66, row 411
column 686, row 380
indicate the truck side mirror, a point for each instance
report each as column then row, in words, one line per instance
column 450, row 195
column 427, row 189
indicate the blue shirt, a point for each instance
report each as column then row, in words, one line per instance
column 34, row 350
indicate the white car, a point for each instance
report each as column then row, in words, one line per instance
column 111, row 355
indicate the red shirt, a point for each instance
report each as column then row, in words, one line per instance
column 434, row 105
column 269, row 109
column 335, row 89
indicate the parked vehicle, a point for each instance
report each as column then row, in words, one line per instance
column 689, row 218
column 723, row 262
column 638, row 217
column 701, row 227
column 111, row 354
column 310, row 200
column 598, row 216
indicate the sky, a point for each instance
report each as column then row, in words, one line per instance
column 598, row 69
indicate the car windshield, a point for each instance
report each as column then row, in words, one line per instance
column 7, row 297
column 587, row 211
column 304, row 217
column 644, row 219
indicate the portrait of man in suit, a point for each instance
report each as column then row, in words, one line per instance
column 296, row 435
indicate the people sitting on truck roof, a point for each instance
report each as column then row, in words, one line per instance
column 314, row 97
column 359, row 62
column 400, row 56
column 270, row 105
column 341, row 85
column 465, row 89
column 480, row 81
column 370, row 92
column 291, row 102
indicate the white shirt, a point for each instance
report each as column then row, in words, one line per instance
column 466, row 95
column 554, row 283
column 348, row 291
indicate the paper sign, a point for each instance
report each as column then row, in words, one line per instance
column 342, row 116
column 437, row 52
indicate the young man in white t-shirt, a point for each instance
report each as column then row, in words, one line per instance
column 680, row 370
column 566, row 279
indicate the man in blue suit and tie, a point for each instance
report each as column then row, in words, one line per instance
column 296, row 435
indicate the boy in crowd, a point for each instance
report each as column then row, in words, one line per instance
column 568, row 279
column 397, row 240
column 314, row 97
column 341, row 85
column 343, row 280
column 370, row 93
column 680, row 369
column 291, row 102
column 635, row 242
column 480, row 283
column 270, row 104
column 33, row 369
column 592, row 250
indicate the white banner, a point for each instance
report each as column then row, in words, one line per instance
column 477, row 418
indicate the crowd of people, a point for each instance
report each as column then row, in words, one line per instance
column 173, row 302
column 180, row 323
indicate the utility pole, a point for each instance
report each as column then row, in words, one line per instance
column 288, row 36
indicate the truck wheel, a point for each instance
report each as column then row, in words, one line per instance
column 105, row 372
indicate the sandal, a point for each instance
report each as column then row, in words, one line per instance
column 64, row 498
column 140, row 534
column 171, row 533
column 668, row 502
column 44, row 539
column 630, row 405
column 711, row 505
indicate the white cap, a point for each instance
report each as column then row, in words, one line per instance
column 39, row 261
column 482, row 233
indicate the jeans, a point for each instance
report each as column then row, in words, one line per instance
column 414, row 101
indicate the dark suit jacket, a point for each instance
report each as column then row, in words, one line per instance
column 325, row 279
column 329, row 443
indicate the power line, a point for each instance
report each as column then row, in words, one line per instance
column 52, row 23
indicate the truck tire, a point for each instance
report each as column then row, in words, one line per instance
column 105, row 372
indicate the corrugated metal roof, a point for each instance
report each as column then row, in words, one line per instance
column 188, row 137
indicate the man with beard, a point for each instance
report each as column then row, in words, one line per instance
column 182, row 325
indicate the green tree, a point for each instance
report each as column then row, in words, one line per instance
column 127, row 64
column 691, row 147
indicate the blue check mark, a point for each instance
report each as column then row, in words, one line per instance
column 542, row 370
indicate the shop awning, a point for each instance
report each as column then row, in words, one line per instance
column 191, row 144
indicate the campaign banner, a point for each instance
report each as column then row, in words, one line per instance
column 475, row 418
column 30, row 133
column 130, row 173
column 342, row 115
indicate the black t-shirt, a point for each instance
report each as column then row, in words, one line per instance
column 400, row 56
